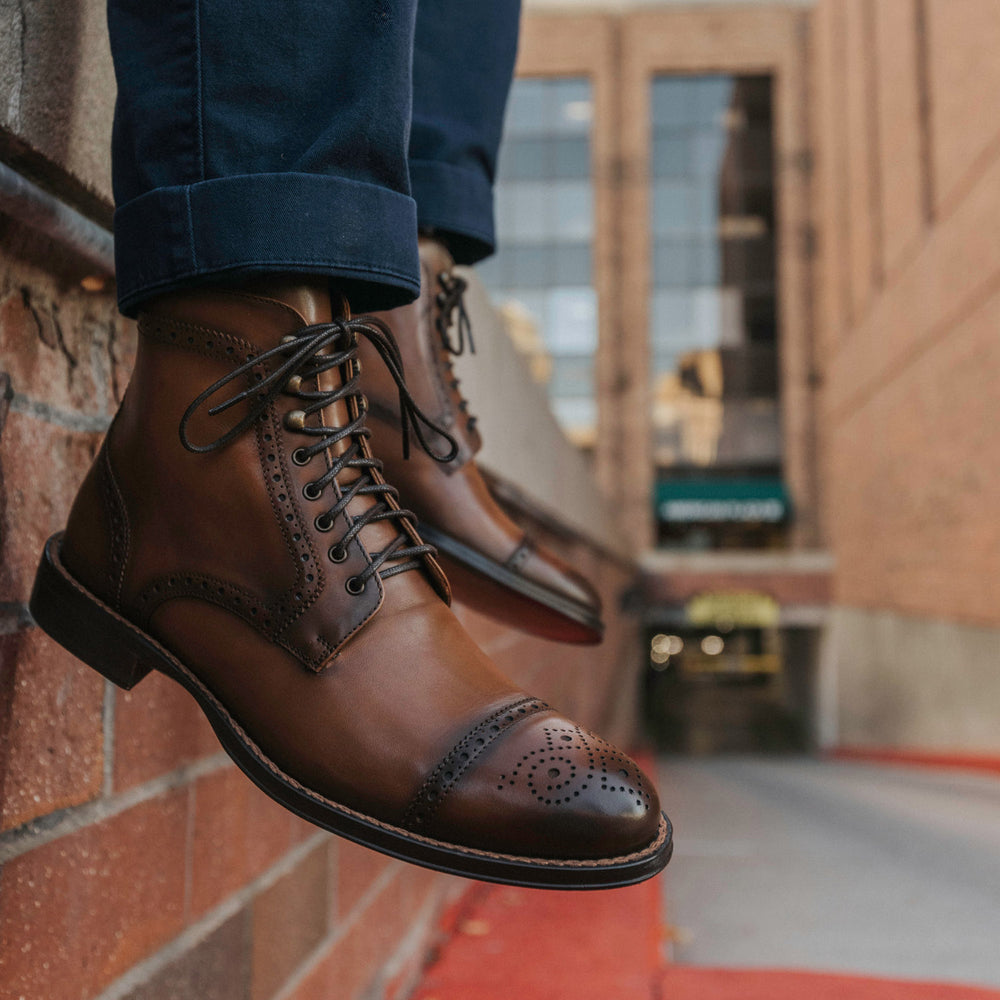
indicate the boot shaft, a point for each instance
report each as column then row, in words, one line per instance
column 243, row 526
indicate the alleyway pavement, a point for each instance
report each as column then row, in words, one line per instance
column 790, row 879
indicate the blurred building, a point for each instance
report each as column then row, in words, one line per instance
column 757, row 243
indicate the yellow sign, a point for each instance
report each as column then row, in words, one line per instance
column 748, row 610
column 759, row 663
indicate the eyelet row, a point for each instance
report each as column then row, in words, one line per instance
column 354, row 585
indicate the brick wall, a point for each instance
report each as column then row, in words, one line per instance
column 909, row 166
column 906, row 110
column 137, row 862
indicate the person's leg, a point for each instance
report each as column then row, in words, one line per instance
column 462, row 68
column 235, row 532
column 463, row 61
column 255, row 137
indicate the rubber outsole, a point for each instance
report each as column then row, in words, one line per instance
column 96, row 634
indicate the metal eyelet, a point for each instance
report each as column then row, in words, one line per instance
column 294, row 384
column 355, row 585
column 299, row 456
column 337, row 554
column 312, row 491
column 295, row 420
column 289, row 338
column 323, row 522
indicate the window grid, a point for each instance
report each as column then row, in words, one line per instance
column 545, row 230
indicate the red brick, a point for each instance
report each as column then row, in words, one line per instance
column 58, row 343
column 965, row 87
column 238, row 834
column 899, row 127
column 42, row 467
column 861, row 191
column 915, row 486
column 217, row 968
column 357, row 958
column 158, row 728
column 51, row 739
column 785, row 586
column 289, row 920
column 357, row 869
column 77, row 913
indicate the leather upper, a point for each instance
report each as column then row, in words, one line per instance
column 362, row 698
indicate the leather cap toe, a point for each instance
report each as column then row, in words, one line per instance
column 563, row 792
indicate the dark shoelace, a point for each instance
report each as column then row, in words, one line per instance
column 449, row 301
column 300, row 361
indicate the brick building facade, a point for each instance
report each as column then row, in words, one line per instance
column 906, row 101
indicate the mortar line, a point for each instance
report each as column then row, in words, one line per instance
column 335, row 935
column 46, row 829
column 192, row 936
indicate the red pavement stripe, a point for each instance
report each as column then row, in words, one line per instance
column 522, row 944
column 918, row 758
column 686, row 983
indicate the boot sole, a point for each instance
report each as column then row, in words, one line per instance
column 534, row 608
column 124, row 654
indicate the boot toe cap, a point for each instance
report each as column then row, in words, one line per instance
column 558, row 790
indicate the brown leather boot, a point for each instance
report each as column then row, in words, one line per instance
column 493, row 566
column 236, row 534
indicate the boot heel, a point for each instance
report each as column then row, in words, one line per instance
column 83, row 624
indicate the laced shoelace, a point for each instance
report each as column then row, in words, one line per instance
column 450, row 300
column 300, row 361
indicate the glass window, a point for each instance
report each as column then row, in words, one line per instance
column 713, row 300
column 542, row 271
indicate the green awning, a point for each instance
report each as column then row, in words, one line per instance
column 761, row 499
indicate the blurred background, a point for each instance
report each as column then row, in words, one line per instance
column 739, row 247
column 738, row 357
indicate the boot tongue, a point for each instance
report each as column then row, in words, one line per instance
column 311, row 300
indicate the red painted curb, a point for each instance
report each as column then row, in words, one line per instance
column 687, row 983
column 918, row 758
column 527, row 943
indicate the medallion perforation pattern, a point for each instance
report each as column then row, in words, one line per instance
column 555, row 774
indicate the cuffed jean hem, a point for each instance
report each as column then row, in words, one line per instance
column 457, row 203
column 362, row 235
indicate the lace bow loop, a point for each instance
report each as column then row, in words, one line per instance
column 451, row 299
column 302, row 355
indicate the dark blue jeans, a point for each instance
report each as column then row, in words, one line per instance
column 306, row 136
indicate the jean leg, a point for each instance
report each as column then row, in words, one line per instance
column 463, row 61
column 256, row 136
